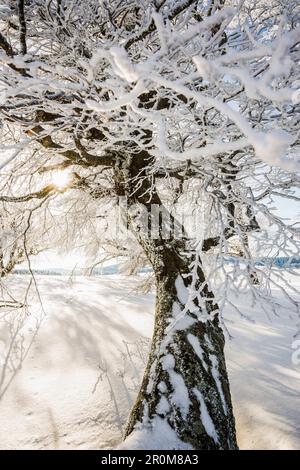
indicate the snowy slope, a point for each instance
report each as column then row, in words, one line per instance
column 81, row 374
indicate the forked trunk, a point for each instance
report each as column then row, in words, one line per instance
column 184, row 400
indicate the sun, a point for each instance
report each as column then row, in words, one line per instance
column 61, row 179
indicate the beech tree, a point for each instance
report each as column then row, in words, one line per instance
column 160, row 103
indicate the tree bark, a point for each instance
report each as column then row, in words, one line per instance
column 185, row 385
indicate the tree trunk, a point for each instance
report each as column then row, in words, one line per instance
column 185, row 390
column 185, row 385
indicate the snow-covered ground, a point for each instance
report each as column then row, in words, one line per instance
column 79, row 378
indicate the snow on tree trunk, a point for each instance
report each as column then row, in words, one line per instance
column 184, row 400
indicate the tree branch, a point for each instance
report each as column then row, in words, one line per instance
column 22, row 22
column 47, row 191
column 82, row 157
column 4, row 44
column 152, row 26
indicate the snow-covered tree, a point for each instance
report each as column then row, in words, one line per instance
column 178, row 106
